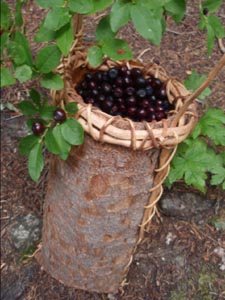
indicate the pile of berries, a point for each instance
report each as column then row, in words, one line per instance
column 126, row 92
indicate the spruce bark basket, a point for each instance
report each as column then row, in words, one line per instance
column 102, row 199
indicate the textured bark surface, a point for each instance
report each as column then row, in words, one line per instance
column 94, row 204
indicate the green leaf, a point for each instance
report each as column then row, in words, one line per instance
column 56, row 18
column 81, row 6
column 46, row 112
column 176, row 8
column 153, row 4
column 23, row 73
column 6, row 77
column 147, row 24
column 27, row 143
column 71, row 108
column 17, row 52
column 120, row 14
column 72, row 132
column 212, row 125
column 44, row 35
column 117, row 49
column 103, row 30
column 210, row 38
column 52, row 81
column 194, row 81
column 212, row 5
column 35, row 162
column 95, row 55
column 3, row 42
column 27, row 108
column 18, row 13
column 100, row 5
column 21, row 40
column 48, row 58
column 56, row 144
column 50, row 3
column 5, row 16
column 64, row 38
column 35, row 96
column 217, row 26
column 202, row 22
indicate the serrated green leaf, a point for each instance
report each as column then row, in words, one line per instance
column 212, row 5
column 217, row 26
column 194, row 81
column 48, row 58
column 52, row 81
column 72, row 132
column 71, row 108
column 35, row 162
column 27, row 108
column 23, row 73
column 56, row 144
column 5, row 16
column 65, row 38
column 35, row 96
column 117, row 49
column 103, row 30
column 202, row 22
column 120, row 14
column 80, row 6
column 46, row 112
column 27, row 143
column 44, row 35
column 6, row 77
column 95, row 55
column 17, row 52
column 18, row 13
column 176, row 8
column 147, row 24
column 100, row 5
column 50, row 3
column 22, row 40
column 212, row 124
column 56, row 18
column 218, row 176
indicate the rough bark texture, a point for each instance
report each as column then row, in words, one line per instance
column 94, row 204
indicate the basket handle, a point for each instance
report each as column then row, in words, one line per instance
column 213, row 73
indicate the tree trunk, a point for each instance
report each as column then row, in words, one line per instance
column 93, row 208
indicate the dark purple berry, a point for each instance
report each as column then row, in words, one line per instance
column 107, row 88
column 141, row 93
column 107, row 105
column 152, row 99
column 92, row 85
column 38, row 128
column 131, row 111
column 145, row 103
column 160, row 115
column 131, row 101
column 149, row 90
column 118, row 92
column 141, row 113
column 135, row 72
column 119, row 81
column 205, row 11
column 113, row 73
column 123, row 69
column 101, row 98
column 59, row 115
column 89, row 76
column 156, row 83
column 127, row 81
column 140, row 82
column 90, row 101
column 161, row 93
column 159, row 108
column 151, row 117
column 98, row 76
column 130, row 91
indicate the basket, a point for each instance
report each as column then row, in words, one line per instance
column 101, row 200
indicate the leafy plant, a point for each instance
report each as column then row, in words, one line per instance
column 52, row 128
column 198, row 157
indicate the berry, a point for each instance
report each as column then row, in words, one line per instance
column 156, row 83
column 149, row 90
column 135, row 72
column 88, row 76
column 140, row 82
column 59, row 115
column 131, row 101
column 161, row 93
column 38, row 128
column 141, row 113
column 106, row 87
column 141, row 93
column 205, row 11
column 118, row 92
column 130, row 91
column 113, row 73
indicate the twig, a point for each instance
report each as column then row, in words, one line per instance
column 173, row 31
column 221, row 45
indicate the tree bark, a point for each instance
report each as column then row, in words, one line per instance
column 93, row 208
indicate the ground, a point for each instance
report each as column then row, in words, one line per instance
column 182, row 257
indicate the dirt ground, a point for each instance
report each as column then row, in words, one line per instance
column 180, row 258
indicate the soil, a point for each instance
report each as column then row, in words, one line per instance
column 181, row 257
